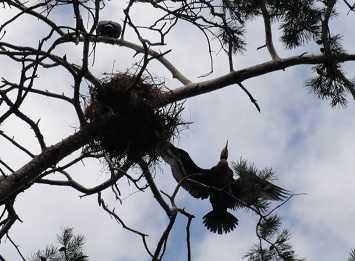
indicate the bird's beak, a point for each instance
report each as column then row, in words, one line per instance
column 224, row 152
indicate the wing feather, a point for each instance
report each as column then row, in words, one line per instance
column 250, row 188
column 192, row 178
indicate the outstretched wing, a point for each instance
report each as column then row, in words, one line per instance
column 252, row 189
column 192, row 178
column 270, row 191
column 253, row 185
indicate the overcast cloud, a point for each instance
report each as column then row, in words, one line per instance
column 308, row 144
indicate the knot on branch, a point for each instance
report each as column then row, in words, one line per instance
column 138, row 127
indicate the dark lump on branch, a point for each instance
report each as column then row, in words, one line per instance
column 108, row 29
column 138, row 127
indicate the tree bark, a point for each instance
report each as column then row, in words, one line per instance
column 23, row 178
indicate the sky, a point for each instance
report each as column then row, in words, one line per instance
column 309, row 145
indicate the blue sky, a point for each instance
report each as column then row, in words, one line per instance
column 308, row 144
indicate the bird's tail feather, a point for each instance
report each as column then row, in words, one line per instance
column 220, row 221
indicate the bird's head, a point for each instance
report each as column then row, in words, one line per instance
column 224, row 152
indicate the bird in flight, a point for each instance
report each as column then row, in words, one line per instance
column 220, row 186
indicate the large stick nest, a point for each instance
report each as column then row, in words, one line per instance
column 138, row 127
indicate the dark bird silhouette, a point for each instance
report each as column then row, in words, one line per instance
column 108, row 29
column 218, row 183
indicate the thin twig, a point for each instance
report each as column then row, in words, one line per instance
column 15, row 246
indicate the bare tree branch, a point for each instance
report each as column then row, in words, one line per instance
column 268, row 32
column 202, row 87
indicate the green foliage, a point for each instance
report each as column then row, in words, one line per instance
column 269, row 226
column 300, row 22
column 231, row 35
column 255, row 181
column 243, row 168
column 242, row 10
column 49, row 253
column 330, row 81
column 273, row 242
column 279, row 250
column 352, row 255
column 70, row 248
column 72, row 245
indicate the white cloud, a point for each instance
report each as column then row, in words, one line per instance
column 307, row 143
